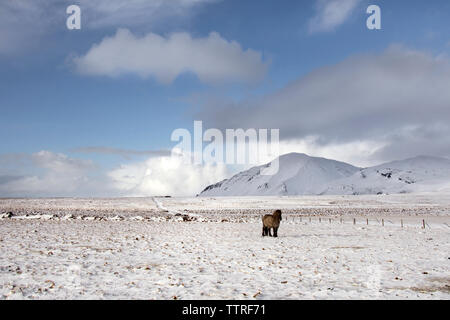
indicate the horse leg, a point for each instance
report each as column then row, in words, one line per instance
column 275, row 232
column 264, row 231
column 270, row 231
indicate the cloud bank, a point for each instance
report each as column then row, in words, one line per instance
column 165, row 176
column 49, row 174
column 398, row 99
column 45, row 174
column 125, row 153
column 212, row 59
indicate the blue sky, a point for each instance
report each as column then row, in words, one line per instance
column 48, row 104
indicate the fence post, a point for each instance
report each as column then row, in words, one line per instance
column 382, row 222
column 423, row 223
column 401, row 221
column 367, row 221
column 354, row 221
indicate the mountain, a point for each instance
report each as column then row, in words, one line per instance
column 417, row 174
column 300, row 174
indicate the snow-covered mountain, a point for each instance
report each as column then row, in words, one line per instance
column 411, row 175
column 300, row 174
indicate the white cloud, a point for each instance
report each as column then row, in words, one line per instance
column 212, row 59
column 60, row 163
column 23, row 23
column 165, row 176
column 330, row 14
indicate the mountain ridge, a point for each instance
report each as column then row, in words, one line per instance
column 300, row 174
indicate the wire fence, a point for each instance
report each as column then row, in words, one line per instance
column 359, row 221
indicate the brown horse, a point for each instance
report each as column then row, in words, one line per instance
column 271, row 221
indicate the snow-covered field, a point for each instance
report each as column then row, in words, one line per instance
column 211, row 248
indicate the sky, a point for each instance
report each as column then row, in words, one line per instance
column 90, row 112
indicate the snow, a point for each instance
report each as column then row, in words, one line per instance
column 300, row 174
column 417, row 174
column 76, row 248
